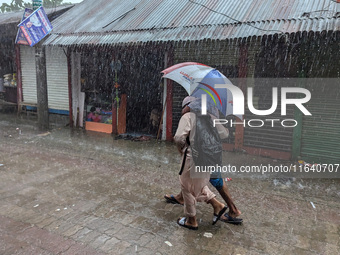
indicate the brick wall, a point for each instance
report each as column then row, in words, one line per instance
column 179, row 93
column 223, row 55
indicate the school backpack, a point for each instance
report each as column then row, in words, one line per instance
column 207, row 145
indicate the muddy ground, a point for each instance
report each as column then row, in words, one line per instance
column 68, row 191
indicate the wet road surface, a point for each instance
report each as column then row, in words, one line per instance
column 77, row 192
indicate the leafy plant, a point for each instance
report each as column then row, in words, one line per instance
column 17, row 5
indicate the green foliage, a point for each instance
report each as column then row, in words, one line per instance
column 17, row 5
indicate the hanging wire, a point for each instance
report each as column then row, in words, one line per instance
column 324, row 9
column 236, row 20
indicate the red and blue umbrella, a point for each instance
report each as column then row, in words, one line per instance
column 198, row 79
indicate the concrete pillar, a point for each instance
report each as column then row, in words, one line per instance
column 42, row 99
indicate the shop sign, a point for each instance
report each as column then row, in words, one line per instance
column 36, row 26
column 37, row 4
column 21, row 39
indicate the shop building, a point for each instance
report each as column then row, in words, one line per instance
column 18, row 63
column 256, row 39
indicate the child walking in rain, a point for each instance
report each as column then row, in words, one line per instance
column 193, row 189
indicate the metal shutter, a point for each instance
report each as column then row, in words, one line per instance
column 321, row 131
column 273, row 138
column 28, row 71
column 57, row 78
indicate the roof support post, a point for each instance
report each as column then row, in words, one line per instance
column 69, row 76
column 243, row 69
column 19, row 78
column 167, row 99
column 297, row 131
column 169, row 110
column 164, row 100
column 42, row 98
column 78, row 97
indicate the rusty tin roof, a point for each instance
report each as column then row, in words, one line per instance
column 105, row 22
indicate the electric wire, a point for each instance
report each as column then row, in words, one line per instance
column 248, row 24
column 238, row 21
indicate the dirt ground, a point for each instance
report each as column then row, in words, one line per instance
column 68, row 191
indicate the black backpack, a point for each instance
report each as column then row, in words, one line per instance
column 207, row 144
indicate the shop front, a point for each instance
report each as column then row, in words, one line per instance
column 120, row 90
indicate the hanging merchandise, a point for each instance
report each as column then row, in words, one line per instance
column 8, row 80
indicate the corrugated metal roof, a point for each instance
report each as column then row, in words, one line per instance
column 15, row 17
column 111, row 22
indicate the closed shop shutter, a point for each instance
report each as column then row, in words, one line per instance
column 57, row 78
column 29, row 81
column 278, row 137
column 321, row 132
column 267, row 137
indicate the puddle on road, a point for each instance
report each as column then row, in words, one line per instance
column 125, row 180
column 156, row 156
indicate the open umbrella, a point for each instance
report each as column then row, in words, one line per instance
column 199, row 79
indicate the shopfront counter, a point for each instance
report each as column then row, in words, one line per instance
column 106, row 122
column 98, row 127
